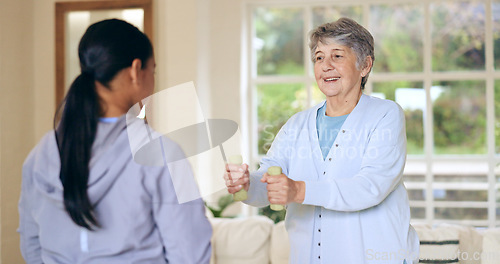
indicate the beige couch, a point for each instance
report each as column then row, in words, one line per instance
column 258, row 240
column 249, row 240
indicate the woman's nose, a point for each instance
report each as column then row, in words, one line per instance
column 328, row 64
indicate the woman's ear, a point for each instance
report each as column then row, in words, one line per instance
column 367, row 67
column 135, row 71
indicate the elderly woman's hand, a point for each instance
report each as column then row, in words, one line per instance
column 283, row 190
column 236, row 177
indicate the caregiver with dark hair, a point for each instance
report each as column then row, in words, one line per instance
column 342, row 163
column 83, row 198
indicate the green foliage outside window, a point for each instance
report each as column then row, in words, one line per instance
column 458, row 34
column 281, row 33
column 398, row 38
column 460, row 118
column 276, row 104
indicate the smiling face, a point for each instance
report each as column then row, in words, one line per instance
column 335, row 70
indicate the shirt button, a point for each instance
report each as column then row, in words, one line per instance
column 336, row 145
column 319, row 257
column 343, row 131
column 319, row 230
column 330, row 159
column 319, row 216
column 324, row 172
column 319, row 244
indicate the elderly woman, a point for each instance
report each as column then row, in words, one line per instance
column 342, row 163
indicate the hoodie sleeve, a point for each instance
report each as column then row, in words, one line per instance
column 28, row 228
column 184, row 227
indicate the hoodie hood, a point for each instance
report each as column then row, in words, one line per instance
column 47, row 164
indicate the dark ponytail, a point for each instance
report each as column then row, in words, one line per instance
column 79, row 126
column 106, row 48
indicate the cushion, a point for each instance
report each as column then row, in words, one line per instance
column 280, row 246
column 438, row 245
column 241, row 240
column 471, row 243
column 491, row 246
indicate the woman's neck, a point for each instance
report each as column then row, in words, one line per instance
column 114, row 99
column 342, row 105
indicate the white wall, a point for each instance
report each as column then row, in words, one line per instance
column 225, row 46
column 16, row 115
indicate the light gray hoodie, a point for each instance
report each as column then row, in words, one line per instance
column 136, row 206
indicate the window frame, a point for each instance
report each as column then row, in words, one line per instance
column 250, row 80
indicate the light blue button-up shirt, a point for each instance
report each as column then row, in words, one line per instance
column 365, row 213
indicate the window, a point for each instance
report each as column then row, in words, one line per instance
column 440, row 60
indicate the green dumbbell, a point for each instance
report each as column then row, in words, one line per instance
column 272, row 171
column 242, row 194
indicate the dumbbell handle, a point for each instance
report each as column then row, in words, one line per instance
column 242, row 194
column 273, row 171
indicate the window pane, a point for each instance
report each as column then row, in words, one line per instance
column 414, row 178
column 498, row 216
column 458, row 32
column 459, row 117
column 460, row 195
column 279, row 41
column 461, row 179
column 496, row 32
column 328, row 14
column 276, row 104
column 417, row 213
column 416, row 195
column 411, row 97
column 461, row 213
column 398, row 32
column 497, row 116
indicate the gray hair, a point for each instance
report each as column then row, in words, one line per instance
column 345, row 32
